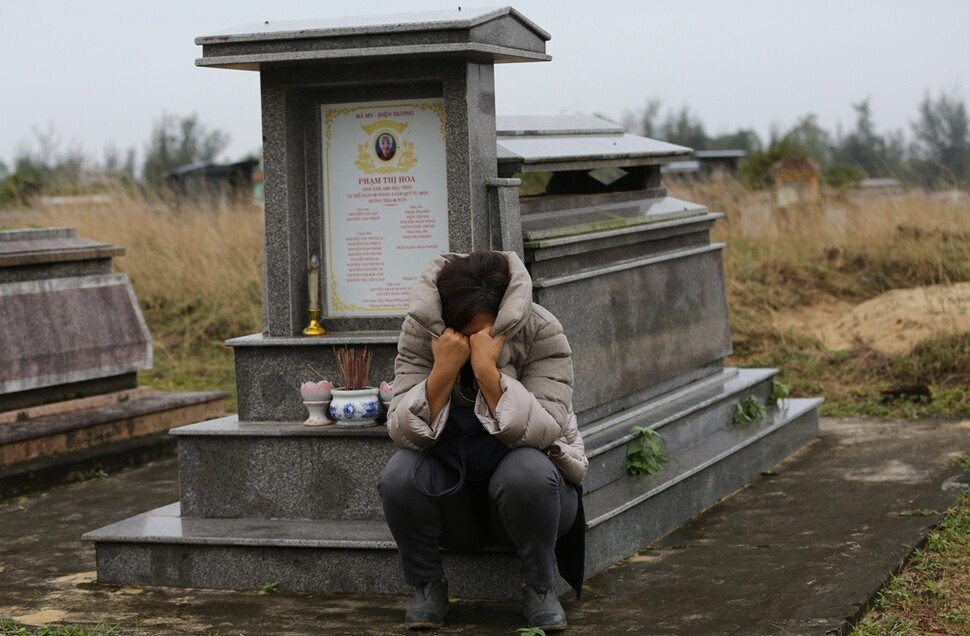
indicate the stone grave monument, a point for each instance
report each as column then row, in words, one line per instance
column 72, row 343
column 382, row 149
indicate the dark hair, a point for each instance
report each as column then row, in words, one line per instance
column 472, row 285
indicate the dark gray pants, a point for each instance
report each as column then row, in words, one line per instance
column 525, row 504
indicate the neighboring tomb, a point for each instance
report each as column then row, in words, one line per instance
column 707, row 164
column 796, row 180
column 71, row 327
column 215, row 183
column 73, row 342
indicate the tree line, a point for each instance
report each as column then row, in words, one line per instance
column 935, row 155
column 42, row 167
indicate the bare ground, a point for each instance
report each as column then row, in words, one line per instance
column 891, row 323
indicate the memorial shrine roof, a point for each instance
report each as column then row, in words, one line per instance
column 499, row 34
column 543, row 144
column 530, row 125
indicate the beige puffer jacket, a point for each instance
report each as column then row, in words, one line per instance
column 536, row 375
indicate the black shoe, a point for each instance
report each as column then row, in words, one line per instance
column 543, row 610
column 429, row 606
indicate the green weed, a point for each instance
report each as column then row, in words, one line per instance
column 645, row 454
column 12, row 628
column 750, row 409
column 779, row 392
column 962, row 462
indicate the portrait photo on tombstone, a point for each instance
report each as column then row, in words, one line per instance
column 386, row 146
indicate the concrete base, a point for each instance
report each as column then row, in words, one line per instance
column 228, row 543
column 98, row 462
column 801, row 551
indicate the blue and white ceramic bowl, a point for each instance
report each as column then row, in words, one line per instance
column 355, row 409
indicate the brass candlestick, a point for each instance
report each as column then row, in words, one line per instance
column 314, row 328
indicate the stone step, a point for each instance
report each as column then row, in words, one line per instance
column 163, row 548
column 284, row 470
column 232, row 468
column 634, row 511
column 681, row 418
column 342, row 556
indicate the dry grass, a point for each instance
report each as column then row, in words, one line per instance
column 848, row 250
column 844, row 246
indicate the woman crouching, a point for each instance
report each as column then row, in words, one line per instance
column 491, row 452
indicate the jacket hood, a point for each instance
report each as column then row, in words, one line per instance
column 516, row 304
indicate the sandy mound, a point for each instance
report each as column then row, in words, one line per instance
column 894, row 322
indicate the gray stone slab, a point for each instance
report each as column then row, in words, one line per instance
column 548, row 153
column 70, row 330
column 64, row 269
column 653, row 319
column 298, row 473
column 162, row 548
column 37, row 254
column 128, row 410
column 678, row 421
column 232, row 426
column 589, row 418
column 269, row 370
column 552, row 258
column 167, row 524
column 27, row 234
column 588, row 222
column 490, row 575
column 532, row 125
column 495, row 35
column 50, row 250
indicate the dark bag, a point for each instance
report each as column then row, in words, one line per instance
column 465, row 447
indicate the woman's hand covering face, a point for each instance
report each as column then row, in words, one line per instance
column 485, row 350
column 451, row 351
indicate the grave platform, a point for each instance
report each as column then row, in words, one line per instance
column 304, row 510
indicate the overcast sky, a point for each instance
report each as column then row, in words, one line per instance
column 101, row 72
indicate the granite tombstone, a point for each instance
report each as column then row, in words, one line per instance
column 351, row 109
